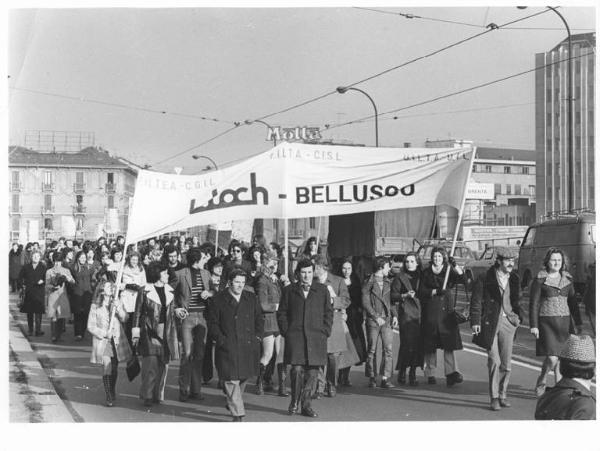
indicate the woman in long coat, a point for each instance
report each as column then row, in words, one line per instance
column 14, row 266
column 552, row 305
column 134, row 277
column 109, row 343
column 405, row 287
column 57, row 297
column 440, row 329
column 33, row 280
column 155, row 330
column 81, row 294
column 356, row 354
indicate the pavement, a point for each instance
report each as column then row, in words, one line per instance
column 54, row 382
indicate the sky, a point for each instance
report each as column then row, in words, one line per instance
column 113, row 71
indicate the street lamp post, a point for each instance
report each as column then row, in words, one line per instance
column 196, row 157
column 249, row 122
column 571, row 154
column 344, row 89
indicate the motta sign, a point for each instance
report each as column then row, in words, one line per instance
column 290, row 134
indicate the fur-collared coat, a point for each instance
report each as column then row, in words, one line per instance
column 97, row 325
column 145, row 324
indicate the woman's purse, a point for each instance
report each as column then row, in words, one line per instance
column 133, row 366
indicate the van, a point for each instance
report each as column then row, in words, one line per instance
column 575, row 236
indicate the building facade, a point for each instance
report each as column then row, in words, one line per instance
column 551, row 121
column 501, row 196
column 78, row 195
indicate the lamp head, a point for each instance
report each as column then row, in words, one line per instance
column 521, row 7
column 342, row 89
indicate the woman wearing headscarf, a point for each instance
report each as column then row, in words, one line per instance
column 440, row 328
column 32, row 279
column 57, row 298
column 405, row 287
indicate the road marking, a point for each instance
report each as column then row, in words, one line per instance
column 514, row 362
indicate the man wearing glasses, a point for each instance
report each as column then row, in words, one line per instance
column 236, row 259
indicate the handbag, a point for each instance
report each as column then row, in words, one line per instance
column 460, row 317
column 133, row 366
column 21, row 300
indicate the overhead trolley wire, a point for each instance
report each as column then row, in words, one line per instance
column 462, row 91
column 121, row 105
column 462, row 41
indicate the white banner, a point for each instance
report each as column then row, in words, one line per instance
column 67, row 226
column 296, row 180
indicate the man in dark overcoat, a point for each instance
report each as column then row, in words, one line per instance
column 305, row 317
column 495, row 317
column 235, row 323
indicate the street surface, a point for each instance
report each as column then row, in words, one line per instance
column 79, row 385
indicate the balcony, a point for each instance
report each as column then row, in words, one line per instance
column 47, row 210
column 111, row 188
column 47, row 186
column 79, row 210
column 79, row 188
column 15, row 186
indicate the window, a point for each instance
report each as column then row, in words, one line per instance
column 79, row 199
column 15, row 224
column 577, row 67
column 111, row 177
column 16, row 179
column 549, row 144
column 577, row 92
column 311, row 223
column 16, row 203
column 525, row 170
column 111, row 201
column 497, row 188
column 79, row 178
column 474, row 168
column 47, row 202
column 549, row 118
column 517, row 189
column 532, row 190
column 508, row 189
column 577, row 117
column 48, row 223
column 548, row 94
column 488, row 168
column 549, row 170
column 507, row 169
column 47, row 178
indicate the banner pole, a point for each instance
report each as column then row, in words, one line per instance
column 217, row 240
column 121, row 268
column 286, row 247
column 460, row 215
column 319, row 232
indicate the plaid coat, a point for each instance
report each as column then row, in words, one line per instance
column 97, row 325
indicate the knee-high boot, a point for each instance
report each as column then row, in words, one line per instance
column 114, row 373
column 53, row 331
column 37, row 318
column 109, row 399
column 282, row 373
column 260, row 380
column 296, row 379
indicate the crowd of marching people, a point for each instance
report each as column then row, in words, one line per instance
column 176, row 299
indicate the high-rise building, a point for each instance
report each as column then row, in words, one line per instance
column 551, row 123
